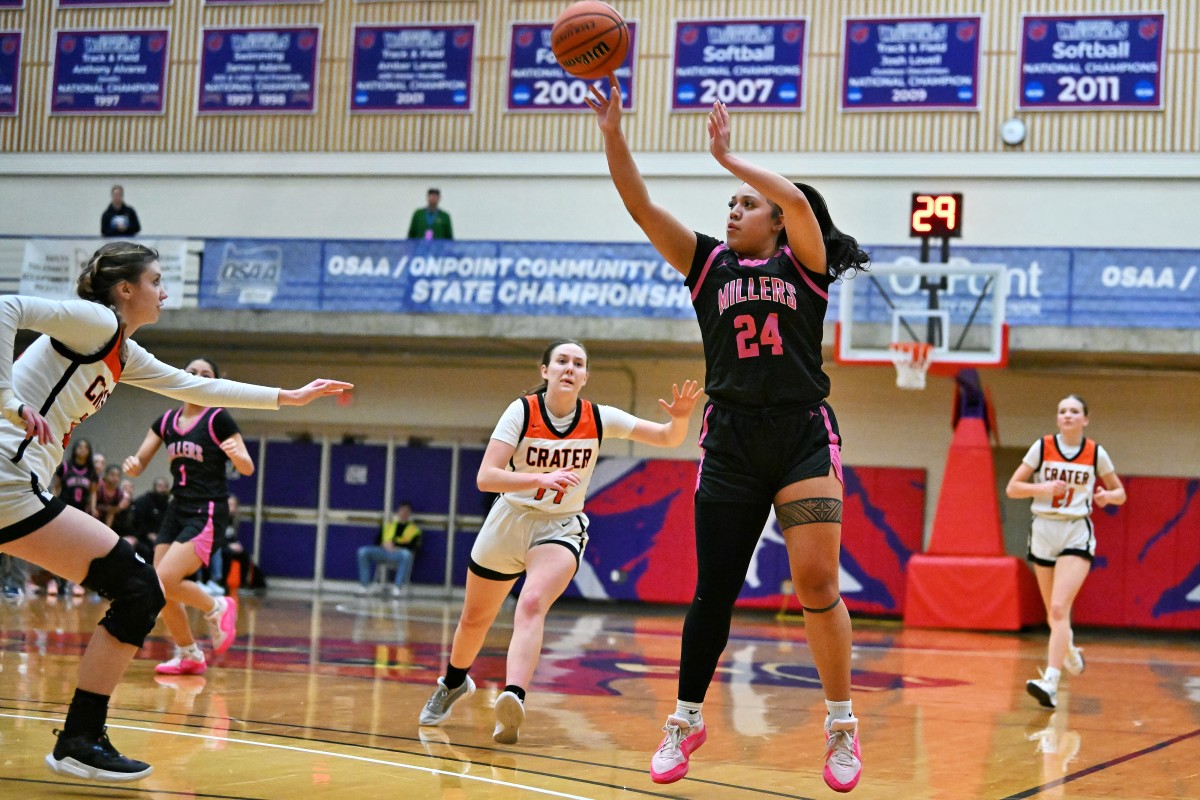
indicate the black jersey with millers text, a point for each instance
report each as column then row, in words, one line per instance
column 194, row 447
column 762, row 322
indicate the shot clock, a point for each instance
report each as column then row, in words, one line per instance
column 936, row 216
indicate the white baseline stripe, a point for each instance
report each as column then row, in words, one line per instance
column 329, row 753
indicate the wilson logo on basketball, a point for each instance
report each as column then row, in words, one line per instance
column 597, row 52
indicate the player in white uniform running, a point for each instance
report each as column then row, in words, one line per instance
column 64, row 376
column 1059, row 473
column 540, row 459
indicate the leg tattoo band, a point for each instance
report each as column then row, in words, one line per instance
column 808, row 511
column 829, row 607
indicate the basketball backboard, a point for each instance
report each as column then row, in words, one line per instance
column 957, row 308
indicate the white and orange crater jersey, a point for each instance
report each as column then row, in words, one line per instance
column 1079, row 471
column 546, row 445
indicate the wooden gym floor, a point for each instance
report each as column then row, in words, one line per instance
column 319, row 700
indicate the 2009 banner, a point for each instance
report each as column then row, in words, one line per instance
column 1046, row 286
column 537, row 83
column 911, row 63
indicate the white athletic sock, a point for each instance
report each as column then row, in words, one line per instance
column 839, row 709
column 689, row 711
column 1052, row 675
column 192, row 652
column 217, row 609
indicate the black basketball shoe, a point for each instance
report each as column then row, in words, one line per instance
column 94, row 760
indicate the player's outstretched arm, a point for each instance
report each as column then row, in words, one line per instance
column 672, row 433
column 133, row 465
column 674, row 241
column 306, row 394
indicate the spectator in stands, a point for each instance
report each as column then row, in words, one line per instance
column 100, row 462
column 13, row 574
column 430, row 222
column 399, row 540
column 119, row 220
column 114, row 502
column 75, row 483
column 148, row 511
column 236, row 567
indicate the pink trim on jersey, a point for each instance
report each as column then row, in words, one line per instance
column 211, row 433
column 178, row 414
column 835, row 447
column 203, row 543
column 752, row 262
column 704, row 272
column 804, row 274
column 703, row 433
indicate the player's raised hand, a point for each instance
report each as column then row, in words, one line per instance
column 306, row 394
column 682, row 400
column 718, row 130
column 608, row 109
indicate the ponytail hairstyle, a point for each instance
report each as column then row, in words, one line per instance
column 547, row 354
column 112, row 264
column 842, row 253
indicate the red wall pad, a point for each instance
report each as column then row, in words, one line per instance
column 964, row 580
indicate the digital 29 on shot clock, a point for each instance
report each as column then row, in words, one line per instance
column 936, row 216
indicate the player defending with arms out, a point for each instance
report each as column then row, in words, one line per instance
column 1059, row 472
column 200, row 443
column 64, row 376
column 769, row 436
column 540, row 460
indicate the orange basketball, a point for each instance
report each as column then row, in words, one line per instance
column 589, row 39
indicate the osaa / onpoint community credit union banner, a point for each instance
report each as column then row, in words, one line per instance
column 51, row 266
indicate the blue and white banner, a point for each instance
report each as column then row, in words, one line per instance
column 1110, row 61
column 258, row 70
column 262, row 2
column 10, row 72
column 109, row 72
column 926, row 63
column 111, row 3
column 6, row 5
column 744, row 63
column 412, row 68
column 537, row 83
column 51, row 267
column 1064, row 287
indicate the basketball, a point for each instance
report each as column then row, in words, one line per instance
column 589, row 39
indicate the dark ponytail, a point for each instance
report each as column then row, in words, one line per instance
column 842, row 253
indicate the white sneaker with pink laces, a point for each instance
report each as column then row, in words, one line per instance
column 843, row 759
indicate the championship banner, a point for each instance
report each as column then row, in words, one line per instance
column 1089, row 62
column 111, row 3
column 10, row 72
column 51, row 267
column 412, row 68
column 259, row 70
column 744, row 63
column 537, row 83
column 925, row 63
column 262, row 2
column 109, row 72
column 6, row 5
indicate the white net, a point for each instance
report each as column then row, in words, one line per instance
column 912, row 360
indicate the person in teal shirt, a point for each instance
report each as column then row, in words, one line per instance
column 430, row 222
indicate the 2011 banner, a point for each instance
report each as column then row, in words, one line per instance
column 1091, row 62
column 109, row 72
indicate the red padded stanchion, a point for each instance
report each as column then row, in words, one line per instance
column 964, row 580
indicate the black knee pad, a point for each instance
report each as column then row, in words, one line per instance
column 132, row 587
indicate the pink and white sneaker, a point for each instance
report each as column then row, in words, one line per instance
column 182, row 665
column 843, row 758
column 222, row 624
column 670, row 762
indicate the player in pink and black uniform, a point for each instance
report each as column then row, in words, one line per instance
column 200, row 442
column 769, row 436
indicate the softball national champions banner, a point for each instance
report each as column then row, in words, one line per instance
column 537, row 83
column 258, row 70
column 109, row 72
column 10, row 72
column 1061, row 287
column 412, row 68
column 923, row 63
column 744, row 63
column 52, row 266
column 1089, row 62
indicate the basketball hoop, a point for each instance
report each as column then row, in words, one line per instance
column 912, row 360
